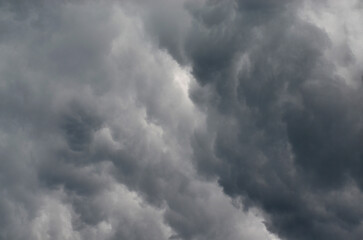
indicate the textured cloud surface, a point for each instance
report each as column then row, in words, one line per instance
column 193, row 119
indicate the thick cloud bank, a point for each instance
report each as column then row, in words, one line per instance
column 193, row 119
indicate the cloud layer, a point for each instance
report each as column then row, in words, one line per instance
column 181, row 120
column 95, row 132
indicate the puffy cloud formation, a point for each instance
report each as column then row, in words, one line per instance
column 193, row 120
column 96, row 123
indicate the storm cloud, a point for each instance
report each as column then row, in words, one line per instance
column 184, row 119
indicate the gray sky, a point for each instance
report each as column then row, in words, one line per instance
column 181, row 119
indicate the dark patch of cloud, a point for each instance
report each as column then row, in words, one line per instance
column 79, row 127
column 283, row 128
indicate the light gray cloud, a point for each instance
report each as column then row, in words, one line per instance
column 95, row 131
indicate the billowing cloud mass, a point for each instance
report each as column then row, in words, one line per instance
column 190, row 119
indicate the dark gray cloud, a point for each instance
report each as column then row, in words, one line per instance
column 180, row 120
column 284, row 126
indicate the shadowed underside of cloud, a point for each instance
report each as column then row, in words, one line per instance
column 279, row 82
column 181, row 120
column 284, row 126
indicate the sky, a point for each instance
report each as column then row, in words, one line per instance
column 181, row 119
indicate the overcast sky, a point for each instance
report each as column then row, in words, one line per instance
column 181, row 119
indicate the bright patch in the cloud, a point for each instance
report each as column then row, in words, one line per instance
column 341, row 20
